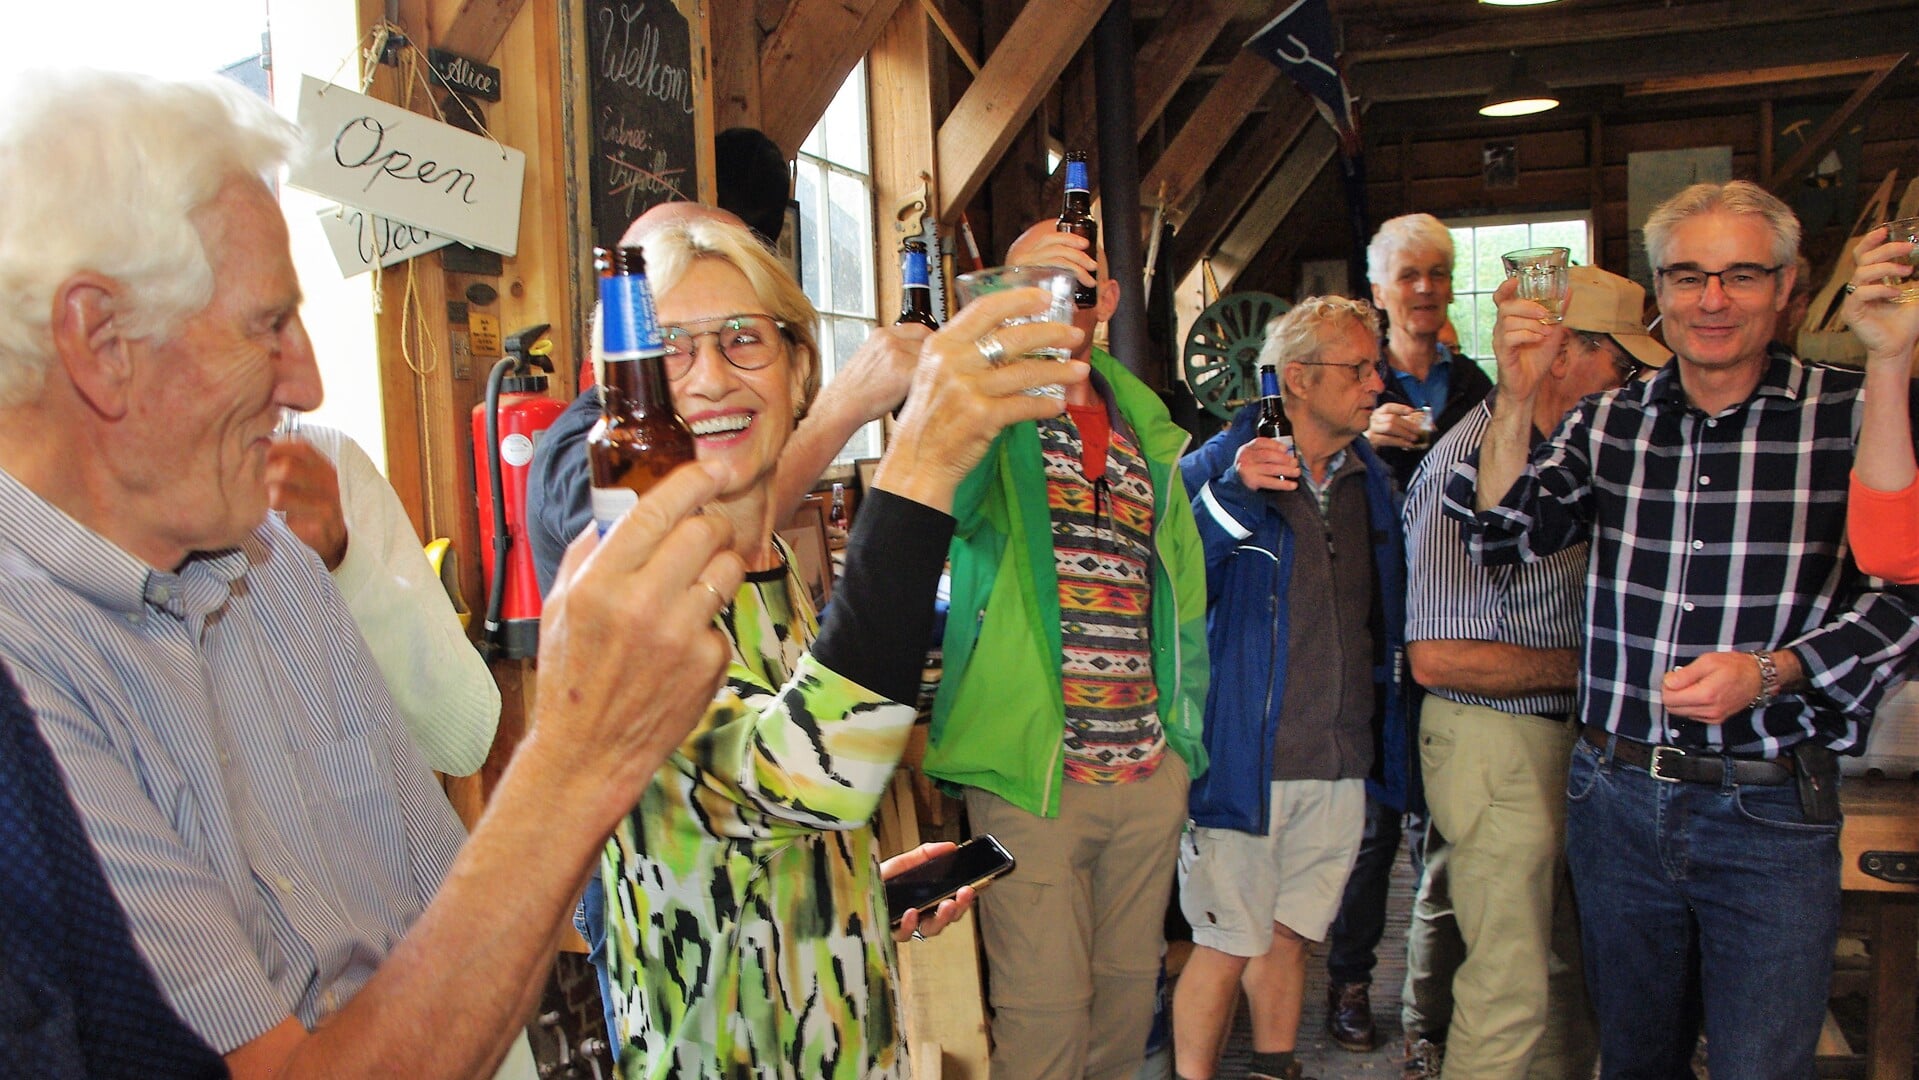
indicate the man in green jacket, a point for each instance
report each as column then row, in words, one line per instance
column 1075, row 677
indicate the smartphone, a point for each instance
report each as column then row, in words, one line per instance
column 922, row 888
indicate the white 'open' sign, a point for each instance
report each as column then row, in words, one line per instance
column 408, row 168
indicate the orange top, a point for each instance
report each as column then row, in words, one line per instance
column 1884, row 529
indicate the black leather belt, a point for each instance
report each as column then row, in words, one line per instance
column 1673, row 764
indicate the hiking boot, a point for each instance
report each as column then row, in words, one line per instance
column 1423, row 1058
column 1349, row 1016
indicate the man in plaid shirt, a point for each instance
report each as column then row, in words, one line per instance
column 1732, row 646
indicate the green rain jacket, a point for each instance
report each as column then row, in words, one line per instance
column 999, row 718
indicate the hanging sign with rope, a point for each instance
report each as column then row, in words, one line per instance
column 408, row 168
column 362, row 240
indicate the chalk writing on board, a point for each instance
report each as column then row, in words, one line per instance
column 637, row 62
column 643, row 96
column 634, row 168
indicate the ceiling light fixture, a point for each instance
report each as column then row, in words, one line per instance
column 1516, row 3
column 1519, row 95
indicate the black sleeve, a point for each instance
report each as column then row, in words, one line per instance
column 559, row 501
column 881, row 619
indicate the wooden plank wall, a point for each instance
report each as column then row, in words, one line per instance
column 1561, row 166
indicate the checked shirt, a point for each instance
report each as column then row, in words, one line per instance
column 1709, row 533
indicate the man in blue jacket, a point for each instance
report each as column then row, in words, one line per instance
column 1304, row 712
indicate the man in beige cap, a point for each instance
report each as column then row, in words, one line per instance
column 1498, row 653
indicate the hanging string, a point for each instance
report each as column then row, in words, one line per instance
column 413, row 318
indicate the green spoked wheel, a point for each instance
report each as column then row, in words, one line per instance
column 1222, row 347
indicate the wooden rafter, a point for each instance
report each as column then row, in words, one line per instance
column 1728, row 80
column 1274, row 201
column 805, row 58
column 1829, row 131
column 1189, row 28
column 1179, row 170
column 1021, row 70
column 475, row 28
column 1502, row 29
column 1570, row 66
column 735, row 35
column 1266, row 143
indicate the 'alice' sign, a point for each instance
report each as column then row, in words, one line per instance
column 408, row 168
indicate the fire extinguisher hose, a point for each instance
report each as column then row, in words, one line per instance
column 502, row 541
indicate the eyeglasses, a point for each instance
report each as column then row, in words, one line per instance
column 1626, row 365
column 1739, row 279
column 748, row 342
column 1358, row 368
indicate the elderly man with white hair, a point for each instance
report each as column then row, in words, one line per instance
column 288, row 867
column 1428, row 389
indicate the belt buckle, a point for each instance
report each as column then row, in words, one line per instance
column 1658, row 760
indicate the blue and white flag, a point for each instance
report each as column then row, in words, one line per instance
column 1300, row 43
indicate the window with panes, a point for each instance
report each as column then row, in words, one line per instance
column 1477, row 245
column 833, row 182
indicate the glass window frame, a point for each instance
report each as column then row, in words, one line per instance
column 1471, row 309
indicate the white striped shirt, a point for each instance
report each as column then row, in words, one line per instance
column 266, row 824
column 1536, row 605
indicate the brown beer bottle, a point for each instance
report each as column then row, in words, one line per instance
column 1076, row 217
column 1273, row 422
column 916, row 294
column 639, row 438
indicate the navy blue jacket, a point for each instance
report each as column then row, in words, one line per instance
column 1249, row 563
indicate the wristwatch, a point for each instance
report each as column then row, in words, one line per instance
column 1768, row 680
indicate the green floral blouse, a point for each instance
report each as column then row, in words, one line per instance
column 747, row 932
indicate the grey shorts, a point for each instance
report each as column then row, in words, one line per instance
column 1234, row 886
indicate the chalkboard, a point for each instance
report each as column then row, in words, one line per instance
column 643, row 101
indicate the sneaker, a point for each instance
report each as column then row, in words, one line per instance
column 1349, row 1016
column 1423, row 1058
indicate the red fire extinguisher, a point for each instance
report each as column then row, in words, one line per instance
column 506, row 426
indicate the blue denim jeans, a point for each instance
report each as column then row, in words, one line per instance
column 1700, row 901
column 590, row 920
column 1352, row 944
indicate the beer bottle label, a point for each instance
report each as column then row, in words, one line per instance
column 610, row 504
column 1076, row 176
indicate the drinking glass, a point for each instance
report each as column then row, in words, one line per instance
column 1906, row 229
column 1058, row 282
column 1542, row 277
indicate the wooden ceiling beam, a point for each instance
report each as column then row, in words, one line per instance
column 1498, row 30
column 735, row 34
column 1025, row 65
column 1728, row 80
column 1274, row 201
column 1178, row 171
column 1188, row 30
column 1266, row 141
column 806, row 58
column 475, row 28
column 1571, row 67
column 1829, row 131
